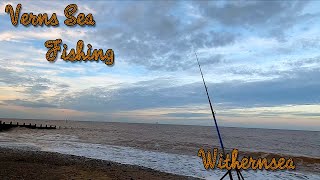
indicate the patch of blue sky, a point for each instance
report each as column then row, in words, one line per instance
column 6, row 24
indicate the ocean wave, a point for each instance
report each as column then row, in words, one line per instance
column 166, row 162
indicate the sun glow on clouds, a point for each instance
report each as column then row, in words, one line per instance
column 260, row 70
column 45, row 113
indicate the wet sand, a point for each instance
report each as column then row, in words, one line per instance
column 22, row 164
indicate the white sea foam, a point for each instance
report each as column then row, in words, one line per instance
column 166, row 162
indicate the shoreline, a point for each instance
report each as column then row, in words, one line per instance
column 78, row 125
column 169, row 152
column 197, row 125
column 25, row 164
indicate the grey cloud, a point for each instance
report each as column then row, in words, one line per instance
column 299, row 88
column 168, row 55
column 220, row 39
column 184, row 115
column 63, row 86
column 301, row 62
column 269, row 93
column 155, row 34
column 294, row 65
column 252, row 12
column 272, row 17
column 149, row 18
column 34, row 84
column 212, row 39
column 307, row 114
column 36, row 88
column 32, row 104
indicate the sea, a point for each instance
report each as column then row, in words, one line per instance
column 170, row 148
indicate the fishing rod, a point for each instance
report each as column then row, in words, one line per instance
column 216, row 124
column 212, row 111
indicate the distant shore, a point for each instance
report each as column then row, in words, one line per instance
column 148, row 123
column 22, row 164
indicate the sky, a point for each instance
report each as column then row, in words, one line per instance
column 260, row 60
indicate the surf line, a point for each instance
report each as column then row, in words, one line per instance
column 77, row 54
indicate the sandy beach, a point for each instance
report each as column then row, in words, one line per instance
column 22, row 164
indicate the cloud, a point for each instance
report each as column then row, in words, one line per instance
column 40, row 34
column 299, row 87
column 187, row 115
column 48, row 7
column 26, row 103
column 153, row 36
column 254, row 13
column 161, row 36
column 32, row 85
column 247, row 13
column 254, row 54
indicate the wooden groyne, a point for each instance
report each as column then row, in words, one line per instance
column 6, row 126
